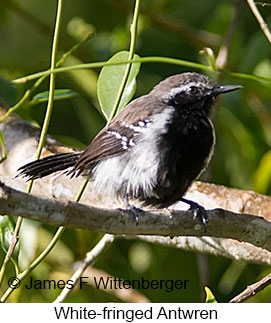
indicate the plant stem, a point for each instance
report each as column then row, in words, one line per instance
column 133, row 30
column 52, row 81
column 39, row 149
column 16, row 106
column 28, row 93
column 35, row 263
column 260, row 20
column 107, row 239
column 149, row 59
column 90, row 258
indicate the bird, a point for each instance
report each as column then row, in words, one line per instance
column 152, row 150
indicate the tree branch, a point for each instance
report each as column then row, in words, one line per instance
column 222, row 223
column 21, row 141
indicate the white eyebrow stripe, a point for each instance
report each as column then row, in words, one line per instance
column 182, row 88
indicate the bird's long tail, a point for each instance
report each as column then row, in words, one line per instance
column 48, row 165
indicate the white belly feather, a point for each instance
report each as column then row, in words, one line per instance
column 138, row 169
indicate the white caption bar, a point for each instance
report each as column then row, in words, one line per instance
column 133, row 312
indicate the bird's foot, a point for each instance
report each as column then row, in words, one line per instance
column 198, row 212
column 133, row 210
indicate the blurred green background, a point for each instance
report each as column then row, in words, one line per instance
column 178, row 29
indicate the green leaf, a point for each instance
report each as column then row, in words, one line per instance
column 209, row 296
column 109, row 82
column 262, row 176
column 6, row 236
column 59, row 94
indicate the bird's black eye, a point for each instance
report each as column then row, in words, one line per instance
column 193, row 89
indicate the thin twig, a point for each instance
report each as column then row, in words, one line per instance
column 6, row 115
column 133, row 29
column 253, row 289
column 222, row 56
column 148, row 59
column 39, row 149
column 260, row 19
column 44, row 28
column 34, row 264
column 107, row 239
column 263, row 4
column 90, row 258
column 39, row 81
column 192, row 35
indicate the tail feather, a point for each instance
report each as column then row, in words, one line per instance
column 48, row 165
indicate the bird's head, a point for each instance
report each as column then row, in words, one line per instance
column 190, row 91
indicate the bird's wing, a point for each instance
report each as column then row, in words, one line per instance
column 117, row 138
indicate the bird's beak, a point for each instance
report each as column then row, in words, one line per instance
column 225, row 89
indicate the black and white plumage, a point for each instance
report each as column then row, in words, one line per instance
column 153, row 149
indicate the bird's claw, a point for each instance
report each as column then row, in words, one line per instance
column 134, row 211
column 200, row 213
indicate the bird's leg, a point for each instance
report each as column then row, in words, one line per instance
column 198, row 211
column 131, row 208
